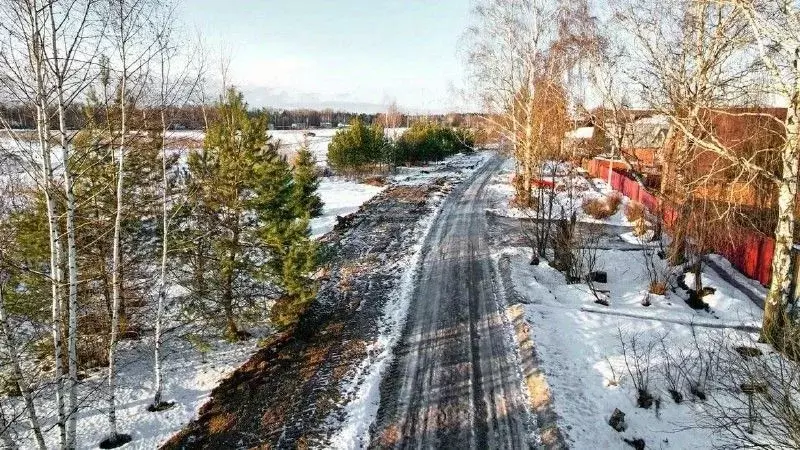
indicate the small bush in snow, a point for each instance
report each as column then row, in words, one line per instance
column 614, row 199
column 675, row 363
column 634, row 211
column 597, row 208
column 657, row 288
column 640, row 230
column 708, row 352
column 602, row 207
column 637, row 352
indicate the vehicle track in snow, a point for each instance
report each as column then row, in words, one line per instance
column 456, row 381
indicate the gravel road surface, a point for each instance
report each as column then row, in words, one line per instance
column 455, row 381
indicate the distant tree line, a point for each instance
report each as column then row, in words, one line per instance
column 194, row 116
column 362, row 148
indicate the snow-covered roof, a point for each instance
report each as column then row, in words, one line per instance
column 581, row 133
column 648, row 132
column 659, row 119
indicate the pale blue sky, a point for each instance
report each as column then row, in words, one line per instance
column 353, row 54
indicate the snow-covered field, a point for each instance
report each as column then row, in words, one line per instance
column 292, row 140
column 579, row 346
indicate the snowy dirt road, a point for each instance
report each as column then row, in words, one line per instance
column 455, row 381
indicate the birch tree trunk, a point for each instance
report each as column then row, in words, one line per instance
column 115, row 286
column 66, row 68
column 24, row 388
column 116, row 273
column 35, row 46
column 72, row 265
column 778, row 296
column 72, row 279
column 56, row 274
column 162, row 281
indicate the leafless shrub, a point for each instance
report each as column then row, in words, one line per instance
column 674, row 368
column 563, row 248
column 708, row 352
column 537, row 229
column 638, row 352
column 585, row 259
column 657, row 273
column 757, row 397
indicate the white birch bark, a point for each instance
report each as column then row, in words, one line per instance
column 162, row 281
column 59, row 75
column 35, row 42
column 778, row 297
column 117, row 257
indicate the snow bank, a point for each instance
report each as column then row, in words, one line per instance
column 586, row 371
column 340, row 198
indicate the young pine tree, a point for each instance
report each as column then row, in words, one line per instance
column 223, row 178
column 245, row 233
column 284, row 202
column 304, row 198
column 358, row 148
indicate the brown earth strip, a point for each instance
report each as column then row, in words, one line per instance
column 284, row 395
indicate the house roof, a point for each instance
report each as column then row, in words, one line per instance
column 647, row 132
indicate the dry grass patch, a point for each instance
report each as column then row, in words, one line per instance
column 657, row 288
column 634, row 211
column 377, row 180
column 220, row 423
column 602, row 207
column 614, row 199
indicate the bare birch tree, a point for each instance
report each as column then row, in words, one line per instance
column 687, row 57
column 702, row 61
column 775, row 28
column 25, row 77
column 128, row 35
column 70, row 55
column 177, row 82
column 505, row 51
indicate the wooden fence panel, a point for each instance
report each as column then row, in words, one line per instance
column 765, row 260
column 750, row 252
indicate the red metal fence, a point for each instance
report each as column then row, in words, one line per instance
column 750, row 252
